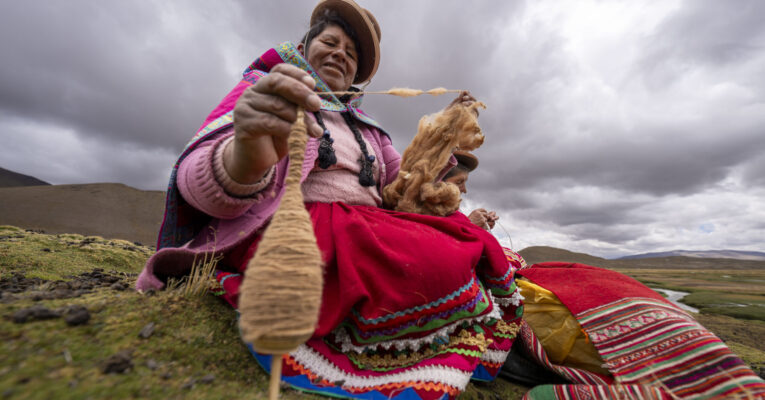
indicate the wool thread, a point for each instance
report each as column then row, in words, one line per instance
column 400, row 92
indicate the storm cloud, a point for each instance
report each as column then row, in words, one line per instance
column 612, row 127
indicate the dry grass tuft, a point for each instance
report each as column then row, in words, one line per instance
column 199, row 281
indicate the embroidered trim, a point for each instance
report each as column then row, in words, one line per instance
column 346, row 345
column 319, row 365
column 223, row 120
column 514, row 300
column 479, row 303
column 507, row 329
column 226, row 277
column 388, row 360
column 495, row 356
column 412, row 310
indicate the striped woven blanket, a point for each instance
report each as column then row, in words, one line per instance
column 651, row 348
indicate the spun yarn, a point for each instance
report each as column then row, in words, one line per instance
column 281, row 292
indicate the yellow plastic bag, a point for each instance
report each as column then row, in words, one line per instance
column 556, row 328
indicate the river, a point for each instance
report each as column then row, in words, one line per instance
column 675, row 296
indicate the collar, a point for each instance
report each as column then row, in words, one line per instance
column 287, row 53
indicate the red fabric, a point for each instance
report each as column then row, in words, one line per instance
column 379, row 261
column 583, row 287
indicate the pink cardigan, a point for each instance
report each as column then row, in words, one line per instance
column 236, row 220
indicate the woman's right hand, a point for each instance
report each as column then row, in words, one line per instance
column 263, row 116
column 484, row 219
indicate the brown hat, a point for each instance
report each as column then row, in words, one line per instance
column 368, row 31
column 467, row 159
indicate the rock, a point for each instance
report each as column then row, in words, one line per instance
column 76, row 315
column 166, row 375
column 7, row 297
column 61, row 294
column 33, row 313
column 151, row 364
column 189, row 384
column 118, row 363
column 207, row 379
column 146, row 331
column 37, row 295
column 59, row 285
column 119, row 286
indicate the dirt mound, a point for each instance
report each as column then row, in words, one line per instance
column 109, row 210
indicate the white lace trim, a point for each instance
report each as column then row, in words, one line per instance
column 413, row 344
column 325, row 369
column 494, row 356
column 515, row 300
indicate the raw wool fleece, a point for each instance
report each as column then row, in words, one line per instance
column 438, row 135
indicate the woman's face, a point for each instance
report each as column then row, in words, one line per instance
column 332, row 54
column 459, row 179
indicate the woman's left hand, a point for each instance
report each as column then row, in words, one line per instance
column 464, row 98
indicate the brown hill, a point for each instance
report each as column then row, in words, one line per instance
column 537, row 254
column 110, row 210
column 12, row 179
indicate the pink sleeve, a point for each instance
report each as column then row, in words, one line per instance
column 200, row 188
column 392, row 159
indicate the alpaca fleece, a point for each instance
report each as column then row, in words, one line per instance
column 438, row 135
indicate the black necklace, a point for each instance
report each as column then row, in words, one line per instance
column 327, row 155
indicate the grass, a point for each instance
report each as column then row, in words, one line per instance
column 53, row 257
column 194, row 336
column 736, row 293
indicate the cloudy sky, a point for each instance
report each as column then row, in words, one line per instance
column 614, row 127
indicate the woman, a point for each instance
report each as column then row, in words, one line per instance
column 413, row 305
column 466, row 163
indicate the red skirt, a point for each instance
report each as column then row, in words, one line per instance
column 436, row 291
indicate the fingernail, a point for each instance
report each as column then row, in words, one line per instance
column 314, row 102
column 316, row 131
column 308, row 80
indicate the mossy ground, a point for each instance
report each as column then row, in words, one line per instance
column 193, row 337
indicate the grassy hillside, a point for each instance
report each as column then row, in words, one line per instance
column 162, row 345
